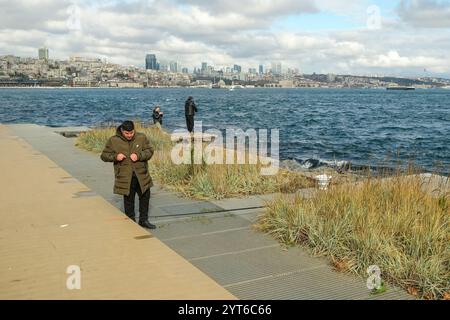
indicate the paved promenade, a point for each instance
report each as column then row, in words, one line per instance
column 214, row 236
column 51, row 221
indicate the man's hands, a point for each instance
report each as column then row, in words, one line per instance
column 120, row 157
column 134, row 157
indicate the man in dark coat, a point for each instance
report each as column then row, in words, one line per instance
column 129, row 151
column 189, row 110
column 157, row 115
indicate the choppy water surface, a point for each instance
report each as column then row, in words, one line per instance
column 362, row 126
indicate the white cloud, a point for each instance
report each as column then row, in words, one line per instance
column 393, row 59
column 223, row 33
column 425, row 13
column 256, row 8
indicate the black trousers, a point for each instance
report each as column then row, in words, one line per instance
column 144, row 201
column 190, row 123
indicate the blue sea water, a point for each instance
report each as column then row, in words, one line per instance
column 361, row 126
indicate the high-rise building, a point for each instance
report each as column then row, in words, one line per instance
column 173, row 66
column 279, row 69
column 237, row 68
column 43, row 54
column 185, row 70
column 276, row 68
column 151, row 63
column 261, row 69
column 204, row 67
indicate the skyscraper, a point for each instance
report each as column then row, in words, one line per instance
column 150, row 62
column 173, row 66
column 204, row 67
column 237, row 68
column 43, row 53
column 276, row 68
column 261, row 69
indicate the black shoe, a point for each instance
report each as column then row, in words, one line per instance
column 146, row 224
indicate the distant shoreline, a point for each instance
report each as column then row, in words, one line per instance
column 224, row 89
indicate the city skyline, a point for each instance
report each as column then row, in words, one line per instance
column 401, row 38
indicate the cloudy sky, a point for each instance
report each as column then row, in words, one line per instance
column 406, row 38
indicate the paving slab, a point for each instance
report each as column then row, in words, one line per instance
column 256, row 263
column 253, row 201
column 310, row 284
column 191, row 208
column 199, row 225
column 218, row 243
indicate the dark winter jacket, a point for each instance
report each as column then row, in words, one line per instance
column 190, row 108
column 157, row 117
column 123, row 171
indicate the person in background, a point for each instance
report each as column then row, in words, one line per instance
column 157, row 115
column 129, row 151
column 189, row 110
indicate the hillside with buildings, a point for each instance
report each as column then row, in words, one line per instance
column 95, row 72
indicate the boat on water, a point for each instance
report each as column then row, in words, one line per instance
column 400, row 88
column 236, row 86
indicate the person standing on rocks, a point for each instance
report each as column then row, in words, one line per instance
column 129, row 151
column 157, row 115
column 189, row 110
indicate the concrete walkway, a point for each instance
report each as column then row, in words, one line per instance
column 216, row 236
column 51, row 221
